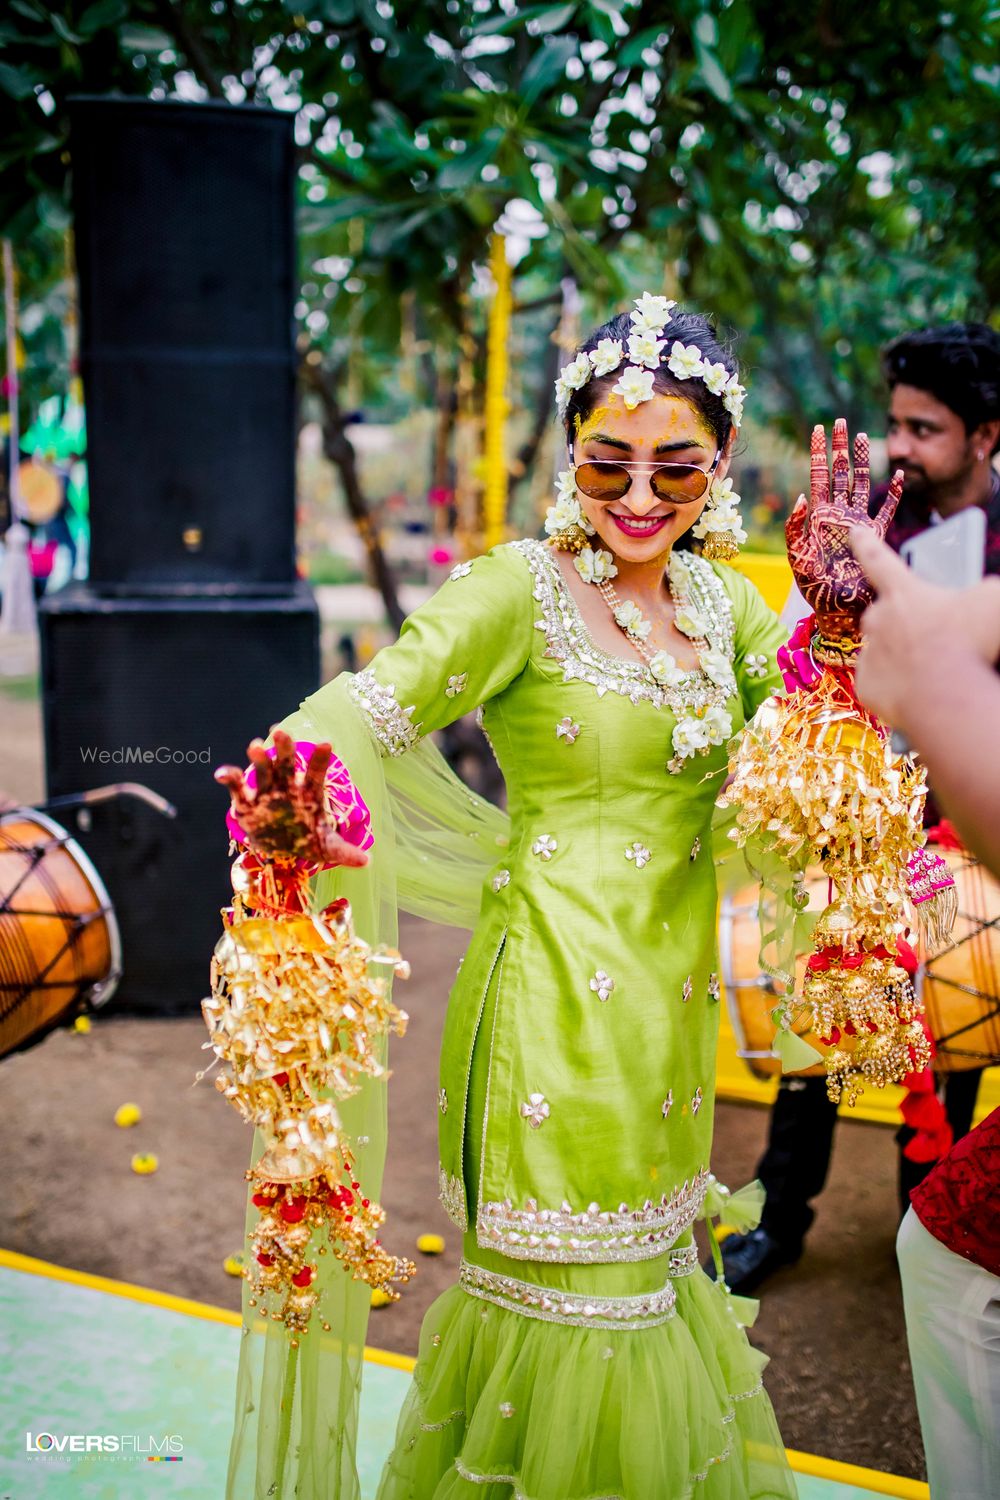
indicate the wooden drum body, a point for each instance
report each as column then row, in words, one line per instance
column 59, row 940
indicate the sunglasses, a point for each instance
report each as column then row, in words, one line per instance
column 609, row 479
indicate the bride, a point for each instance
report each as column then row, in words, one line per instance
column 583, row 1353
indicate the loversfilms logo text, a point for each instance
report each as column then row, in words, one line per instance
column 131, row 1446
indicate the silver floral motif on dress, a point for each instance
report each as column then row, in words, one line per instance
column 696, row 1100
column 667, row 1104
column 456, row 684
column 567, row 730
column 714, row 987
column 755, row 666
column 500, row 879
column 640, row 854
column 452, row 1195
column 443, row 1101
column 695, row 849
column 577, row 1309
column 544, row 846
column 460, row 570
column 595, row 1234
column 602, row 985
column 688, row 989
column 535, row 1109
column 393, row 725
column 693, row 582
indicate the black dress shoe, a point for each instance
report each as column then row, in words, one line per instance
column 748, row 1259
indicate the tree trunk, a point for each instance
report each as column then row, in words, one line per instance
column 338, row 449
column 527, row 453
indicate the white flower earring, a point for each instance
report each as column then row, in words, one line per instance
column 719, row 526
column 565, row 521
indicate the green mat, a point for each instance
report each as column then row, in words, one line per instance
column 77, row 1360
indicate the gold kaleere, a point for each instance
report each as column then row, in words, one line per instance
column 815, row 778
column 297, row 1015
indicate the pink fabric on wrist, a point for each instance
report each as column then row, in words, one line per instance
column 795, row 658
column 346, row 803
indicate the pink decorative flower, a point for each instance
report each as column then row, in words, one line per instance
column 441, row 555
column 346, row 803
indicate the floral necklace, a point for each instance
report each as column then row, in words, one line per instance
column 698, row 728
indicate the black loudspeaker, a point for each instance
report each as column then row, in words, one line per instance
column 161, row 691
column 186, row 259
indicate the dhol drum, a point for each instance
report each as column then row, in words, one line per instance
column 60, row 948
column 958, row 987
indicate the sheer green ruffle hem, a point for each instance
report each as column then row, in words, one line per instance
column 507, row 1407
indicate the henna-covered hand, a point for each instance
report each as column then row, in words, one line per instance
column 829, row 576
column 287, row 814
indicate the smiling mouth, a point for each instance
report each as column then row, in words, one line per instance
column 633, row 526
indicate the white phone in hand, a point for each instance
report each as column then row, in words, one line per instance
column 952, row 553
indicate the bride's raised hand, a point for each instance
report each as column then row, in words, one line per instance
column 287, row 813
column 828, row 575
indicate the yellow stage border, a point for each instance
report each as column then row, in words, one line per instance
column 872, row 1480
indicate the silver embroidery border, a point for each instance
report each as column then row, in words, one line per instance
column 574, row 1309
column 595, row 1235
column 392, row 724
column 684, row 1262
column 452, row 1194
column 568, row 641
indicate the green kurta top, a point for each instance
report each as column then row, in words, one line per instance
column 597, row 926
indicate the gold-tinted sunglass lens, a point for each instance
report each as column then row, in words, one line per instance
column 603, row 481
column 678, row 482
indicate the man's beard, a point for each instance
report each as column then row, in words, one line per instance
column 916, row 485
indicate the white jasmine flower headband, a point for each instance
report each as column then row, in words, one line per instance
column 650, row 318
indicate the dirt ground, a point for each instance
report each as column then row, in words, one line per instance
column 839, row 1376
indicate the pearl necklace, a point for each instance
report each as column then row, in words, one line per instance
column 697, row 729
column 630, row 619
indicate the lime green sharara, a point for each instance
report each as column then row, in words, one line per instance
column 584, row 1354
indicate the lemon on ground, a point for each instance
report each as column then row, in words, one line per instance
column 128, row 1114
column 430, row 1244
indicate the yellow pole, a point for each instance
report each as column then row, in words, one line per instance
column 497, row 405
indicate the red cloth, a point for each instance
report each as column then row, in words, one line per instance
column 958, row 1201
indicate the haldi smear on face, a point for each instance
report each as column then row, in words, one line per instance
column 673, row 416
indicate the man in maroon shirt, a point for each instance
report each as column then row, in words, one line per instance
column 943, row 428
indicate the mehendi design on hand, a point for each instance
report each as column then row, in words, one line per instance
column 826, row 571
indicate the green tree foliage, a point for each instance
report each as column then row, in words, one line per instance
column 820, row 176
